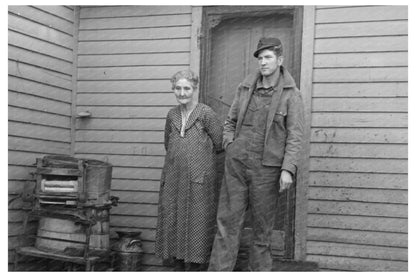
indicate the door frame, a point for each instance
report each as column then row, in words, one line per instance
column 208, row 17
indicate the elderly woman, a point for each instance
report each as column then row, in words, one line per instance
column 188, row 191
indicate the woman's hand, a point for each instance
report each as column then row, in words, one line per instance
column 286, row 180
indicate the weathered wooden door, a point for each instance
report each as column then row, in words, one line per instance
column 229, row 59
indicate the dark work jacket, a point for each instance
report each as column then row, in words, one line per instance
column 285, row 121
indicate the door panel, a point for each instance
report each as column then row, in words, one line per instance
column 233, row 42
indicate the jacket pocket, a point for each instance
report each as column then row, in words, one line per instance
column 280, row 119
column 249, row 116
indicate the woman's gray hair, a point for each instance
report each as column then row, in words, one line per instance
column 185, row 74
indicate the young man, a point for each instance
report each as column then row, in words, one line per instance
column 263, row 136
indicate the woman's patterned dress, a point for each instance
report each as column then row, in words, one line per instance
column 189, row 189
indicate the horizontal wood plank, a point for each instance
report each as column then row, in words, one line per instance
column 130, row 160
column 15, row 188
column 41, row 75
column 133, row 221
column 40, row 104
column 379, row 120
column 361, row 44
column 16, row 241
column 36, row 117
column 135, row 209
column 360, row 29
column 392, row 89
column 358, row 237
column 15, row 229
column 60, row 11
column 135, row 22
column 356, row 264
column 132, row 47
column 44, row 18
column 23, row 158
column 125, row 112
column 39, row 46
column 356, row 251
column 40, row 60
column 387, row 59
column 20, row 172
column 366, row 209
column 139, row 197
column 40, row 31
column 136, row 34
column 383, row 151
column 359, row 104
column 369, row 74
column 120, row 136
column 31, row 87
column 359, row 180
column 133, row 59
column 364, row 223
column 124, row 86
column 353, row 14
column 120, row 99
column 358, row 194
column 135, row 185
column 129, row 73
column 122, row 124
column 137, row 173
column 148, row 247
column 359, row 135
column 122, row 11
column 120, row 148
column 358, row 165
column 38, row 132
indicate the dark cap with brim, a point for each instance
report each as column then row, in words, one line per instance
column 265, row 43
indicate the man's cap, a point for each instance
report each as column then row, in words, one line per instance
column 267, row 42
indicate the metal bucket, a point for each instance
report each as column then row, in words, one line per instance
column 128, row 251
column 98, row 181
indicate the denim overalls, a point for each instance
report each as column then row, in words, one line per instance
column 248, row 184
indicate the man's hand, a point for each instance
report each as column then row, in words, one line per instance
column 286, row 180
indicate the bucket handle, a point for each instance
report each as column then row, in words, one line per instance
column 133, row 242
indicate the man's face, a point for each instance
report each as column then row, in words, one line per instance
column 268, row 62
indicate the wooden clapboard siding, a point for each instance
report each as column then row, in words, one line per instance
column 359, row 105
column 126, row 57
column 373, row 89
column 354, row 60
column 40, row 48
column 28, row 57
column 342, row 263
column 357, row 212
column 120, row 136
column 359, row 180
column 37, row 14
column 148, row 59
column 102, row 12
column 136, row 34
column 359, row 135
column 126, row 112
column 358, row 237
column 362, row 150
column 128, row 86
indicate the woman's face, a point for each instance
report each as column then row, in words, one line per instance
column 183, row 91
